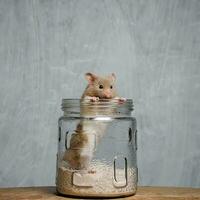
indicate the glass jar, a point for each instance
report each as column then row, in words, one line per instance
column 97, row 149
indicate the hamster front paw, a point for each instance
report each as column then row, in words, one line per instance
column 91, row 99
column 94, row 99
column 120, row 100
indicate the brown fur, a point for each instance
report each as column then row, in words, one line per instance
column 79, row 139
column 93, row 90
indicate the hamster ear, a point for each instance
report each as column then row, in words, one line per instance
column 112, row 77
column 90, row 77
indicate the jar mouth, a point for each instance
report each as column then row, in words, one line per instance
column 107, row 103
column 103, row 107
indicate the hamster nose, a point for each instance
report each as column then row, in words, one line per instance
column 107, row 93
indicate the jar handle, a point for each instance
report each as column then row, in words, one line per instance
column 116, row 182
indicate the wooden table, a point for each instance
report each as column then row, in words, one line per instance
column 143, row 193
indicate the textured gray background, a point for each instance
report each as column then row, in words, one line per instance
column 153, row 47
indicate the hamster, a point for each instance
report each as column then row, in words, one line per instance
column 100, row 88
column 89, row 133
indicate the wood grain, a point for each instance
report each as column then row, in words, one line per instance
column 143, row 193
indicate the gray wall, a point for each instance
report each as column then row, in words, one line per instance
column 153, row 46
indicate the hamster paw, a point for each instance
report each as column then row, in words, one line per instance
column 94, row 99
column 120, row 100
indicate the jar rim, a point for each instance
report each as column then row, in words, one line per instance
column 75, row 102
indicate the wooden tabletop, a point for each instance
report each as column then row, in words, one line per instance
column 143, row 193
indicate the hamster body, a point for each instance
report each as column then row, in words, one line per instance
column 88, row 133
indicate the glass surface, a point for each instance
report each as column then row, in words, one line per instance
column 96, row 149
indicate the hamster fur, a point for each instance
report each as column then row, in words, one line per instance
column 82, row 143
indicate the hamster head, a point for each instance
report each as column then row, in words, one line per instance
column 102, row 87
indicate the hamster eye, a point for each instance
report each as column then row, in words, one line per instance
column 111, row 87
column 100, row 86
